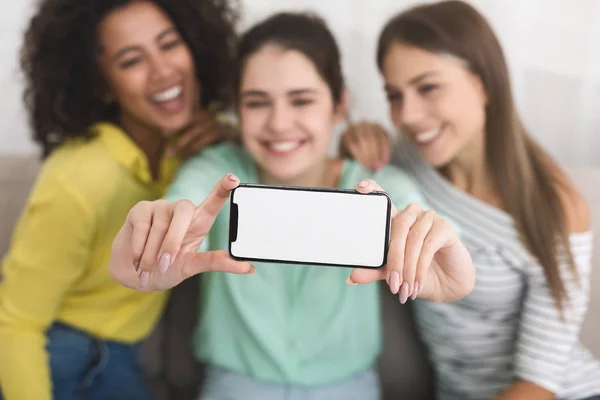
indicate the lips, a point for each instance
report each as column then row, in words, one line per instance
column 169, row 101
column 283, row 147
column 167, row 95
column 427, row 136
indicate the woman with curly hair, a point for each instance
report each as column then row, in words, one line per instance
column 117, row 92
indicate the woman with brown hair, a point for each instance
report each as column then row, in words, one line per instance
column 516, row 336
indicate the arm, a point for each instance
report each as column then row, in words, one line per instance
column 39, row 269
column 545, row 340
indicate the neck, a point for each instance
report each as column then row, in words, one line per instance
column 325, row 175
column 470, row 173
column 149, row 140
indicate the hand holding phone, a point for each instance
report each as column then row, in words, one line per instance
column 426, row 258
column 156, row 249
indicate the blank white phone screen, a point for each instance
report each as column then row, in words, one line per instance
column 320, row 227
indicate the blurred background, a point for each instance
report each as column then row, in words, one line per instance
column 551, row 47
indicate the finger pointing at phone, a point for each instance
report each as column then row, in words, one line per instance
column 156, row 248
column 425, row 258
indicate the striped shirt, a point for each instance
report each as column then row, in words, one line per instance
column 508, row 328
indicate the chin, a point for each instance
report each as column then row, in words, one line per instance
column 437, row 160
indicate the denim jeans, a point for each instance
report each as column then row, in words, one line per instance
column 85, row 368
column 222, row 384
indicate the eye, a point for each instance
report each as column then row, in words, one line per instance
column 130, row 62
column 301, row 102
column 427, row 88
column 171, row 44
column 394, row 97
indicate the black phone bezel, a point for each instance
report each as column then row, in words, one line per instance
column 234, row 214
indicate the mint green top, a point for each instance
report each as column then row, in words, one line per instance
column 288, row 324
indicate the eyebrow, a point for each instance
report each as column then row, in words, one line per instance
column 389, row 88
column 293, row 92
column 253, row 92
column 128, row 49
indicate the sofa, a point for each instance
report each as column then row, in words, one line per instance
column 173, row 373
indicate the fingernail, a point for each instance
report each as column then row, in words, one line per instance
column 394, row 282
column 404, row 293
column 415, row 291
column 350, row 282
column 144, row 277
column 232, row 177
column 252, row 270
column 164, row 262
column 363, row 184
column 136, row 265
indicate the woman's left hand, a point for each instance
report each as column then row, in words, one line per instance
column 202, row 132
column 425, row 258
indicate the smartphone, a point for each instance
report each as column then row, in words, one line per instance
column 313, row 226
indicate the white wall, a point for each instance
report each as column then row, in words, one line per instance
column 14, row 133
column 552, row 48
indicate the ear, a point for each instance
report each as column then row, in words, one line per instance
column 341, row 109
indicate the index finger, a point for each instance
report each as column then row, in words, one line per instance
column 368, row 186
column 207, row 212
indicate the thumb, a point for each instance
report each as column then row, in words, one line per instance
column 214, row 261
column 361, row 276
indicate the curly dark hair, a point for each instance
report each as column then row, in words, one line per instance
column 65, row 89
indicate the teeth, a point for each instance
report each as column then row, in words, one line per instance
column 284, row 146
column 168, row 94
column 425, row 137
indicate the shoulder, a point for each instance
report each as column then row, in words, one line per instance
column 400, row 186
column 575, row 208
column 200, row 173
column 394, row 175
column 80, row 167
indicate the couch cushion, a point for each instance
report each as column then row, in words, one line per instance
column 17, row 174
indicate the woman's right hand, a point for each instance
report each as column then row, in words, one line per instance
column 368, row 143
column 156, row 248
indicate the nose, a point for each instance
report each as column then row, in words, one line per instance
column 160, row 66
column 281, row 118
column 411, row 111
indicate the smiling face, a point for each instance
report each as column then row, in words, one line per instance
column 148, row 67
column 287, row 113
column 436, row 101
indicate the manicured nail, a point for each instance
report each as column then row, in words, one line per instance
column 350, row 282
column 144, row 277
column 164, row 262
column 232, row 177
column 394, row 282
column 136, row 265
column 415, row 291
column 404, row 293
column 363, row 184
column 252, row 270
